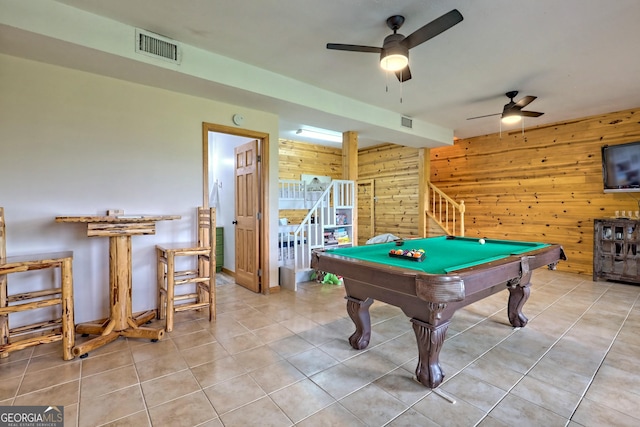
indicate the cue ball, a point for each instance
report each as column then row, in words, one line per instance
column 481, row 241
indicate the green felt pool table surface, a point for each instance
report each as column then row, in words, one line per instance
column 443, row 255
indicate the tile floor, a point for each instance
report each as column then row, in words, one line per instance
column 284, row 359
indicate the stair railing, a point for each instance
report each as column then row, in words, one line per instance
column 309, row 234
column 445, row 211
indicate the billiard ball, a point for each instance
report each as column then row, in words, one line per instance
column 481, row 241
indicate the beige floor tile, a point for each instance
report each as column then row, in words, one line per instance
column 341, row 380
column 139, row 419
column 110, row 407
column 373, row 405
column 478, row 393
column 46, row 378
column 290, row 346
column 108, row 381
column 256, row 358
column 9, row 387
column 333, row 415
column 10, row 367
column 190, row 410
column 551, row 372
column 238, row 343
column 590, row 413
column 271, row 333
column 411, row 418
column 493, row 373
column 445, row 413
column 402, row 386
column 212, row 373
column 149, row 350
column 370, row 365
column 262, row 412
column 276, row 376
column 312, row 361
column 203, row 354
column 61, row 394
column 234, row 393
column 547, row 396
column 194, row 339
column 169, row 387
column 340, row 349
column 320, row 335
column 160, row 366
column 301, row 399
column 181, row 327
column 105, row 362
column 514, row 410
column 47, row 361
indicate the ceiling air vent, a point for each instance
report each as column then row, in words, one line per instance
column 156, row 46
column 406, row 122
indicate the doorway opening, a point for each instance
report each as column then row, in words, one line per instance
column 219, row 144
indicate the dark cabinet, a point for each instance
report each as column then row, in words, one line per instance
column 219, row 248
column 616, row 242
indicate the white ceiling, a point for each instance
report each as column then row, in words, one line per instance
column 578, row 57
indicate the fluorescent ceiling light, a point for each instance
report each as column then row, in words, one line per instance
column 323, row 135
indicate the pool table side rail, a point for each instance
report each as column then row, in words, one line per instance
column 449, row 287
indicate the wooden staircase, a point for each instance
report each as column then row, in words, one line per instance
column 444, row 215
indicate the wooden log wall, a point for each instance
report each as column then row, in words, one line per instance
column 297, row 158
column 543, row 186
column 394, row 171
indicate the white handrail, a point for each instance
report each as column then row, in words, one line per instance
column 445, row 211
column 308, row 235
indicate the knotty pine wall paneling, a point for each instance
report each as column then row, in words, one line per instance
column 394, row 170
column 544, row 186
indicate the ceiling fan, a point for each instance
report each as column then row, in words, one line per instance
column 512, row 111
column 394, row 53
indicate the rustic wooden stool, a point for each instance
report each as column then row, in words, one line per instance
column 202, row 277
column 59, row 329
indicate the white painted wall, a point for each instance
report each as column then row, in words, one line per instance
column 76, row 143
column 222, row 172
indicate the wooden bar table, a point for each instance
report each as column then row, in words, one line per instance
column 121, row 321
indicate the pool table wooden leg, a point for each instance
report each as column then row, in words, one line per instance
column 430, row 340
column 359, row 312
column 518, row 295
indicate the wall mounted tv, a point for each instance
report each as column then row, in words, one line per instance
column 621, row 167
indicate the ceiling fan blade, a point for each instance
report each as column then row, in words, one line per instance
column 530, row 113
column 404, row 74
column 480, row 117
column 354, row 47
column 432, row 29
column 525, row 101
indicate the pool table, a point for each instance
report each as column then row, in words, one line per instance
column 456, row 271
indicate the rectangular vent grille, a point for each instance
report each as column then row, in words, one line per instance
column 156, row 46
column 406, row 122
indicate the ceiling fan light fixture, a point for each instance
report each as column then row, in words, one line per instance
column 511, row 118
column 394, row 55
column 394, row 62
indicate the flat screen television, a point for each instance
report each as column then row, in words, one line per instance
column 621, row 167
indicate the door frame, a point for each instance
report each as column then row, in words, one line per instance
column 371, row 183
column 263, row 167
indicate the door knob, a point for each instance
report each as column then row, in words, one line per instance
column 234, row 222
